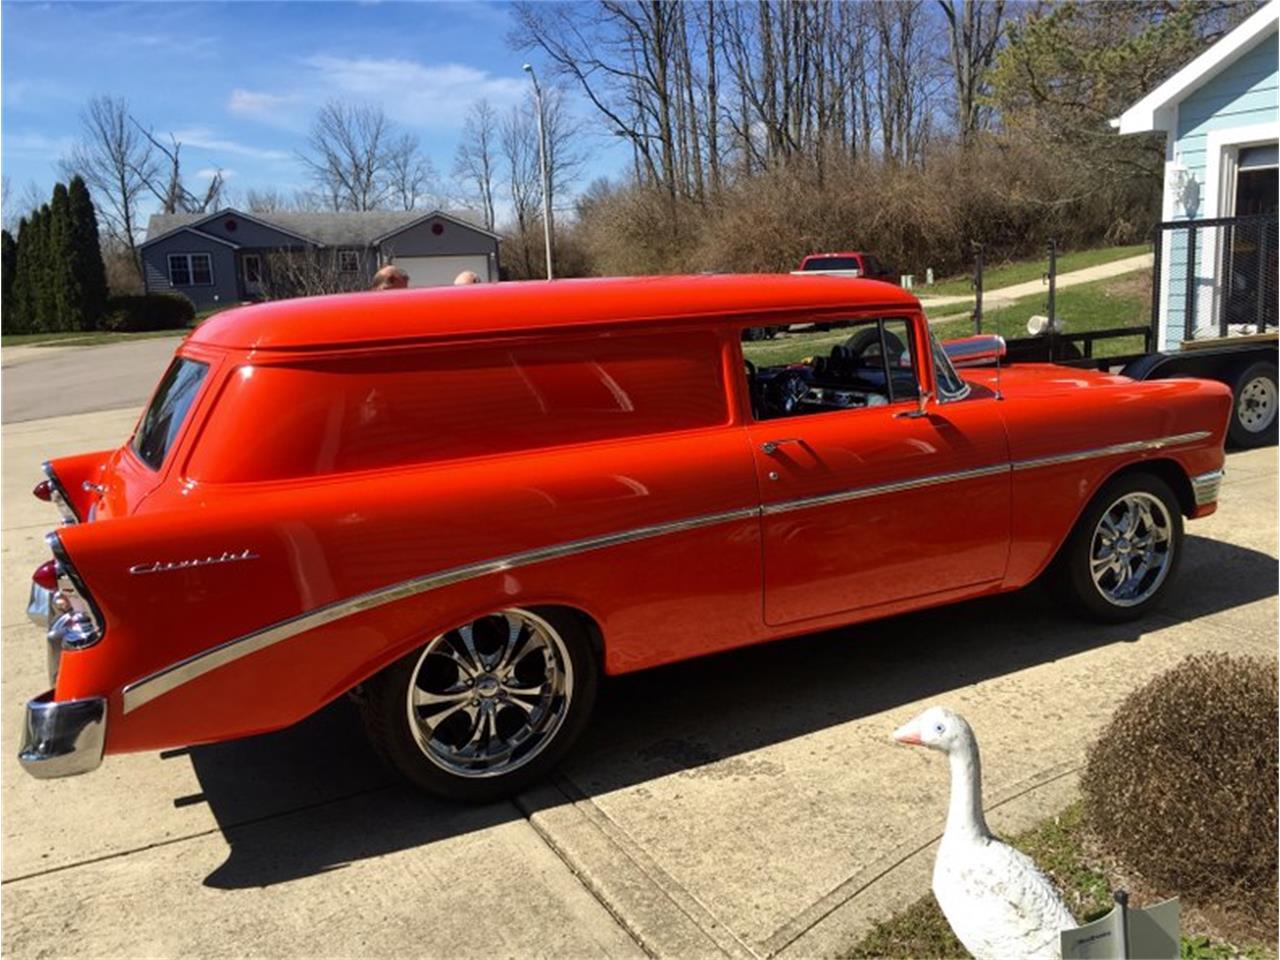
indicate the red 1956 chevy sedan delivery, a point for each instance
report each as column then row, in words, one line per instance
column 464, row 505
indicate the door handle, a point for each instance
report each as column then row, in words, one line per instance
column 770, row 447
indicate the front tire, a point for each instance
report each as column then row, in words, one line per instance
column 483, row 710
column 1255, row 403
column 1124, row 551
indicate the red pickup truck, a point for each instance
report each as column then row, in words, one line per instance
column 865, row 265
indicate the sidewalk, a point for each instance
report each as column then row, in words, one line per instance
column 747, row 805
column 1008, row 294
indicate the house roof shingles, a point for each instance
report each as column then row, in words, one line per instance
column 346, row 228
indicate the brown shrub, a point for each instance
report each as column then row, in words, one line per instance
column 1181, row 786
column 1007, row 194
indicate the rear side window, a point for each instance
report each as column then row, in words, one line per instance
column 168, row 410
column 325, row 417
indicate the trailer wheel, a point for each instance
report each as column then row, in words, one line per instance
column 1253, row 416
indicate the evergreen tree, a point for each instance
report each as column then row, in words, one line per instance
column 44, row 299
column 65, row 293
column 8, row 262
column 23, row 313
column 90, row 272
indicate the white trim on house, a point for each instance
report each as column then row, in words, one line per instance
column 1222, row 147
column 378, row 241
column 1217, row 144
column 177, row 230
column 1153, row 112
column 223, row 212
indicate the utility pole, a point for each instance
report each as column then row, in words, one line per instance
column 542, row 159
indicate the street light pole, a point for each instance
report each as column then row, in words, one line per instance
column 542, row 160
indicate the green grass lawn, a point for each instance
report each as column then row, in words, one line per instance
column 1007, row 274
column 89, row 338
column 82, row 338
column 1058, row 848
column 1115, row 302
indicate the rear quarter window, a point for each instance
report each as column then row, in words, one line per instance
column 168, row 410
column 280, row 421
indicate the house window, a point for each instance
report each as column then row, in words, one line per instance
column 348, row 261
column 252, row 268
column 190, row 269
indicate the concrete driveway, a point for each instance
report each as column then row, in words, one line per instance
column 748, row 805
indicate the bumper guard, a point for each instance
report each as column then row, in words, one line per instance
column 1205, row 487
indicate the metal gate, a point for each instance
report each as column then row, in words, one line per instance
column 1215, row 278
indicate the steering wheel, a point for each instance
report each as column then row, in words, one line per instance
column 785, row 391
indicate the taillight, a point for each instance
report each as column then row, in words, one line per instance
column 79, row 622
column 50, row 489
column 46, row 575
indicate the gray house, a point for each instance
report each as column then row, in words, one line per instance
column 228, row 257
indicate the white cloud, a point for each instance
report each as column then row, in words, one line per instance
column 203, row 139
column 278, row 109
column 412, row 92
column 208, row 173
column 38, row 144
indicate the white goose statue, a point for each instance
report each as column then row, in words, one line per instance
column 999, row 905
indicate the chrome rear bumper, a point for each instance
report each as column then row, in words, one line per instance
column 62, row 738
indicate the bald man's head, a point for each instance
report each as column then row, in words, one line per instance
column 466, row 277
column 390, row 277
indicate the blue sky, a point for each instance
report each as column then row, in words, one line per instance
column 238, row 82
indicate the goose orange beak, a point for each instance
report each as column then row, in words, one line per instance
column 908, row 733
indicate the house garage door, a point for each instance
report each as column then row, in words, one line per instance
column 440, row 271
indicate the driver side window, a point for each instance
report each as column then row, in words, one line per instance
column 803, row 369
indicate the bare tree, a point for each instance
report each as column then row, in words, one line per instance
column 411, row 177
column 348, row 155
column 974, row 31
column 116, row 161
column 165, row 180
column 308, row 272
column 523, row 175
column 475, row 162
column 268, row 200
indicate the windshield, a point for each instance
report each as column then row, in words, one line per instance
column 168, row 410
column 950, row 386
column 832, row 263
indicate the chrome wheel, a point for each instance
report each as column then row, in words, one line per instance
column 485, row 699
column 1131, row 549
column 1256, row 404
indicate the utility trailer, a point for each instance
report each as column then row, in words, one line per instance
column 1246, row 363
column 1225, row 296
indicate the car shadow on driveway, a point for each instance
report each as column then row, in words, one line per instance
column 314, row 797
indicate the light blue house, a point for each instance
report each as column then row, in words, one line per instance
column 1216, row 249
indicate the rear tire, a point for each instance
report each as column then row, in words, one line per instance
column 1255, row 401
column 483, row 710
column 1124, row 551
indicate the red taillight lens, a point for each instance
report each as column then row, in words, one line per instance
column 46, row 575
column 44, row 490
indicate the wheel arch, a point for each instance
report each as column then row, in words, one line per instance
column 1166, row 468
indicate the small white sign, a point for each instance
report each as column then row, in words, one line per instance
column 1150, row 933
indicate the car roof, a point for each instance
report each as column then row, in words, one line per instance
column 518, row 308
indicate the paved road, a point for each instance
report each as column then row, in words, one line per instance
column 40, row 382
column 747, row 805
